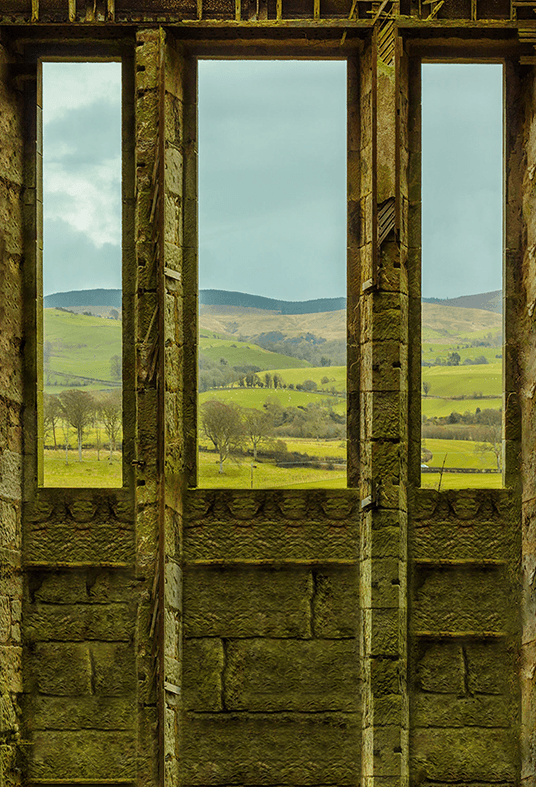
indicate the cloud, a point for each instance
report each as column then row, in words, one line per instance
column 462, row 171
column 272, row 177
column 82, row 148
column 71, row 261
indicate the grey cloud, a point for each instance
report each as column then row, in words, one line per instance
column 85, row 136
column 72, row 262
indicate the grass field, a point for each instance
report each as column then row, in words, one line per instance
column 265, row 475
column 431, row 351
column 256, row 397
column 88, row 473
column 80, row 345
column 431, row 407
column 451, row 381
column 335, row 374
column 462, row 481
column 246, row 354
column 459, row 453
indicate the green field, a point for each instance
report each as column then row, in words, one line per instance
column 431, row 407
column 80, row 346
column 87, row 473
column 335, row 374
column 431, row 351
column 237, row 353
column 256, row 397
column 265, row 475
column 459, row 453
column 451, row 381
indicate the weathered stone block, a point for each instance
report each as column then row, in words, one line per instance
column 285, row 675
column 57, row 587
column 464, row 755
column 247, row 602
column 335, row 603
column 80, row 713
column 202, row 674
column 440, row 668
column 440, row 710
column 78, row 622
column 87, row 754
column 461, row 600
column 114, row 668
column 62, row 668
column 10, row 668
column 488, row 672
column 5, row 619
column 273, row 749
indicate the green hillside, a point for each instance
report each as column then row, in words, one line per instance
column 256, row 397
column 336, row 376
column 237, row 353
column 78, row 350
column 458, row 381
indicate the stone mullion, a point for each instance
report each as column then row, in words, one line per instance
column 521, row 268
column 173, row 97
column 384, row 402
column 15, row 204
column 147, row 60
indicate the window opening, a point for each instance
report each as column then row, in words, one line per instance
column 272, row 274
column 81, row 411
column 462, row 252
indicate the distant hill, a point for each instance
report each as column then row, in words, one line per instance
column 243, row 300
column 78, row 298
column 488, row 301
column 84, row 298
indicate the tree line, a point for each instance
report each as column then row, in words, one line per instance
column 83, row 412
column 232, row 429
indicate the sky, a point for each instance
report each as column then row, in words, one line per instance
column 272, row 177
column 81, row 176
column 461, row 179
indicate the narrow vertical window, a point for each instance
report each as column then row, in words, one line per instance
column 81, row 412
column 462, row 260
column 272, row 272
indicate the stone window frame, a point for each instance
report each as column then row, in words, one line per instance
column 477, row 49
column 272, row 44
column 53, row 46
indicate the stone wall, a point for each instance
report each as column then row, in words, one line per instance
column 169, row 634
column 11, row 399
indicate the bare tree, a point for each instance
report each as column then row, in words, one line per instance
column 77, row 408
column 426, row 387
column 115, row 367
column 257, row 426
column 51, row 416
column 491, row 443
column 110, row 413
column 222, row 425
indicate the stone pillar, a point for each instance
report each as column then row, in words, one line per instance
column 384, row 309
column 11, row 398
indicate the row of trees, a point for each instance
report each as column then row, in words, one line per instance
column 82, row 411
column 232, row 429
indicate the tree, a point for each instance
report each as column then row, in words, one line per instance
column 51, row 416
column 115, row 367
column 77, row 409
column 426, row 387
column 453, row 359
column 222, row 425
column 491, row 443
column 268, row 380
column 309, row 385
column 257, row 427
column 110, row 413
